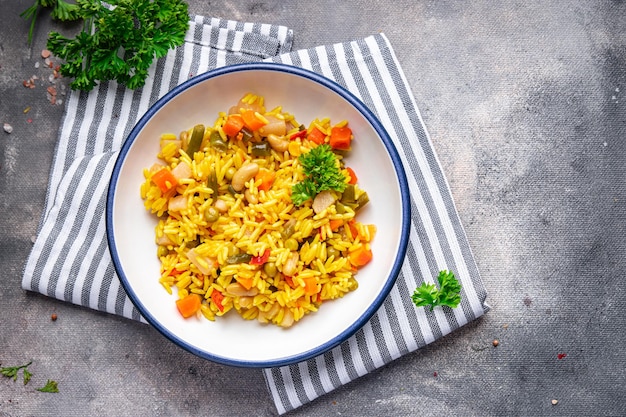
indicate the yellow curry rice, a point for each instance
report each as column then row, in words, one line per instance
column 229, row 235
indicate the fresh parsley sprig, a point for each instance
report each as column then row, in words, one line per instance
column 51, row 386
column 61, row 10
column 12, row 372
column 448, row 294
column 119, row 41
column 321, row 167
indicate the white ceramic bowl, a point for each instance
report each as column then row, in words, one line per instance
column 230, row 339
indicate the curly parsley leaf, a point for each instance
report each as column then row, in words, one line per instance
column 448, row 293
column 61, row 10
column 425, row 295
column 64, row 11
column 303, row 191
column 27, row 376
column 51, row 386
column 12, row 372
column 120, row 42
column 322, row 171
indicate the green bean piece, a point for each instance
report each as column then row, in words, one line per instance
column 247, row 133
column 270, row 269
column 239, row 258
column 362, row 200
column 211, row 214
column 348, row 195
column 341, row 209
column 211, row 182
column 260, row 149
column 196, row 140
column 192, row 243
column 216, row 141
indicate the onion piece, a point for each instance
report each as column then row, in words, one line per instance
column 244, row 105
column 204, row 264
column 182, row 171
column 288, row 319
column 322, row 201
column 177, row 203
column 164, row 240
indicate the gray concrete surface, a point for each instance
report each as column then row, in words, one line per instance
column 525, row 103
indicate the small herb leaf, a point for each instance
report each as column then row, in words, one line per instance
column 450, row 289
column 51, row 386
column 27, row 376
column 321, row 167
column 12, row 371
column 427, row 295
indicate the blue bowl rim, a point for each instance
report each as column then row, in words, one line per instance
column 404, row 193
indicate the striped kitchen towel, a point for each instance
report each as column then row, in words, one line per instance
column 371, row 71
column 70, row 259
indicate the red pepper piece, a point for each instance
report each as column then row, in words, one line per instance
column 261, row 259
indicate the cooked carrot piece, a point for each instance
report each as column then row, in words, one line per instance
column 310, row 285
column 267, row 179
column 245, row 282
column 353, row 229
column 316, row 136
column 353, row 177
column 217, row 298
column 360, row 256
column 253, row 120
column 233, row 125
column 335, row 224
column 189, row 305
column 164, row 179
column 340, row 138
